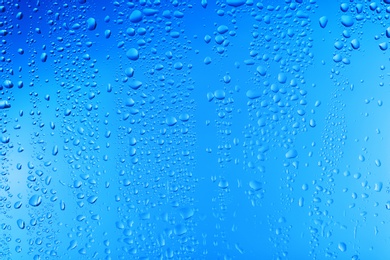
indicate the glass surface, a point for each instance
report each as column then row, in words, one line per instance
column 194, row 129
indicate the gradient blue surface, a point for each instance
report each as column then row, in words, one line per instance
column 194, row 130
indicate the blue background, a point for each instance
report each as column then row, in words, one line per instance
column 194, row 130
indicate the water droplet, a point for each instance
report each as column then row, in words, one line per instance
column 342, row 247
column 207, row 38
column 222, row 29
column 18, row 204
column 178, row 14
column 378, row 186
column 223, row 184
column 135, row 84
column 129, row 72
column 178, row 65
column 55, row 150
column 347, row 20
column 21, row 224
column 337, row 58
column 132, row 54
column 107, row 34
column 323, row 21
column 144, row 216
column 19, row 16
column 62, row 205
column 253, row 93
column 7, row 84
column 180, row 229
column 383, row 46
column 355, row 44
column 219, row 94
column 388, row 32
column 291, row 154
column 136, row 16
column 44, row 57
column 67, row 112
column 35, row 200
column 378, row 163
column 91, row 24
column 186, row 212
column 344, row 7
column 261, row 70
column 207, row 60
column 184, row 117
column 301, row 202
column 261, row 122
column 255, row 185
column 72, row 245
column 282, row 78
column 301, row 14
column 92, row 199
column 235, row 3
column 171, row 121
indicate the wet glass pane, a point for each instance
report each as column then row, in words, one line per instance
column 230, row 129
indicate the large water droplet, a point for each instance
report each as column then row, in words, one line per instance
column 7, row 84
column 255, row 185
column 323, row 21
column 347, row 20
column 21, row 224
column 342, row 247
column 253, row 93
column 235, row 3
column 171, row 121
column 35, row 200
column 92, row 199
column 180, row 229
column 355, row 44
column 186, row 212
column 291, row 154
column 132, row 54
column 91, row 24
column 136, row 16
